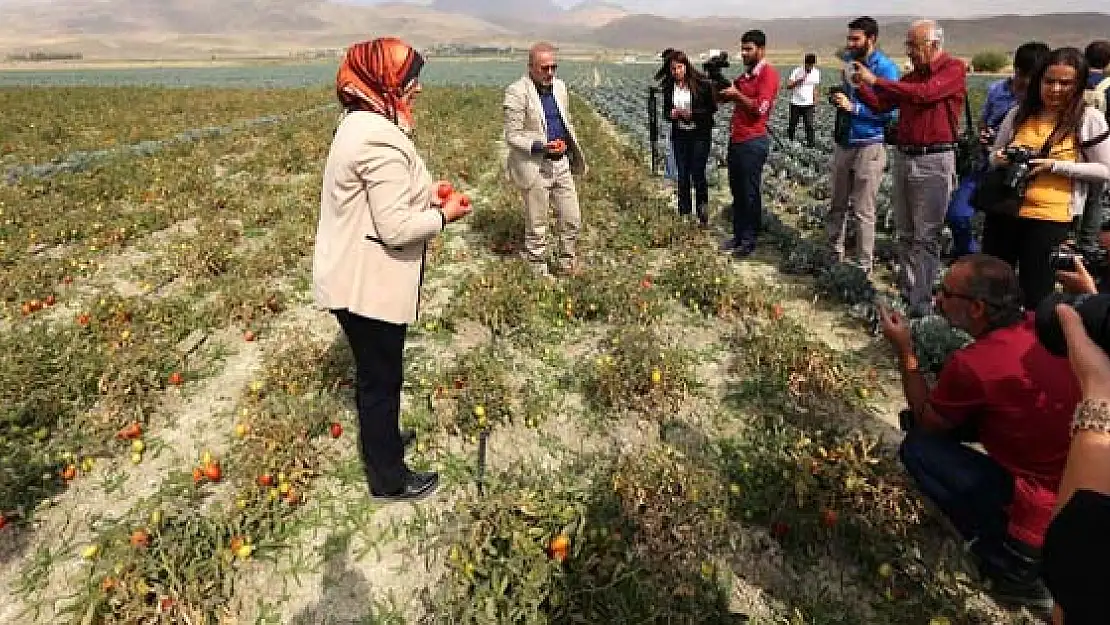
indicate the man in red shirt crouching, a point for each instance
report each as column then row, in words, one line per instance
column 1006, row 392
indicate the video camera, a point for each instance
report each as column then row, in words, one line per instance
column 713, row 67
column 1093, row 309
column 1096, row 260
column 1017, row 171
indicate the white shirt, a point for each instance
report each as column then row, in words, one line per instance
column 803, row 94
column 683, row 101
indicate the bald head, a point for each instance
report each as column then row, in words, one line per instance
column 924, row 42
column 541, row 63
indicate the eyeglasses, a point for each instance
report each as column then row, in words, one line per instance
column 942, row 290
column 549, row 68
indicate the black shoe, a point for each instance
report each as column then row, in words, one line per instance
column 417, row 486
column 744, row 250
column 408, row 437
column 729, row 244
column 1031, row 594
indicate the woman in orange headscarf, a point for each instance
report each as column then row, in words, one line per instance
column 378, row 210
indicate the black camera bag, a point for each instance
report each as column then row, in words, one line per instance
column 993, row 196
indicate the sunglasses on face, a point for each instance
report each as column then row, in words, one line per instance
column 549, row 68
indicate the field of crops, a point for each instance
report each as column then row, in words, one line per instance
column 671, row 437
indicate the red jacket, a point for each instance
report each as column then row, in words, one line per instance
column 929, row 100
column 762, row 85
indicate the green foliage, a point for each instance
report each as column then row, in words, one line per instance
column 989, row 61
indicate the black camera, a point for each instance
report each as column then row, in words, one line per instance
column 1017, row 171
column 713, row 67
column 1096, row 260
column 1093, row 309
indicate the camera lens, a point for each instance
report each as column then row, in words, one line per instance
column 1093, row 309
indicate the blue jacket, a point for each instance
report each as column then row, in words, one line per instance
column 867, row 127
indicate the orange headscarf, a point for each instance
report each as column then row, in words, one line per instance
column 375, row 74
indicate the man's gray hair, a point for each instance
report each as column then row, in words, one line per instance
column 933, row 32
column 993, row 281
column 539, row 48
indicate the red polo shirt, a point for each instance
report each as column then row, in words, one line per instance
column 762, row 85
column 930, row 101
column 1022, row 398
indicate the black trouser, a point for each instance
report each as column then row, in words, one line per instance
column 745, row 180
column 805, row 113
column 378, row 347
column 1026, row 244
column 691, row 153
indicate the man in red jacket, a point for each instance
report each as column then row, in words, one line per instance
column 753, row 94
column 929, row 100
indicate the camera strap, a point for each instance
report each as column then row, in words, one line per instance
column 952, row 119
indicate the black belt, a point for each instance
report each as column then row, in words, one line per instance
column 922, row 150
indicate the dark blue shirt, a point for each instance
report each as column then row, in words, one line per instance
column 555, row 127
column 1000, row 99
column 1094, row 78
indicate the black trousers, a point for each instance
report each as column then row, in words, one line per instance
column 378, row 348
column 691, row 154
column 745, row 180
column 1026, row 244
column 804, row 113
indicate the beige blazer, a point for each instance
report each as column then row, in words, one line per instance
column 375, row 220
column 525, row 124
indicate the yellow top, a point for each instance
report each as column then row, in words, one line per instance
column 1048, row 195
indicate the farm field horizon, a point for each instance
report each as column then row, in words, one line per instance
column 671, row 437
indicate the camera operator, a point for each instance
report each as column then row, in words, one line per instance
column 859, row 155
column 1009, row 393
column 929, row 100
column 1072, row 271
column 1052, row 146
column 753, row 94
column 670, row 168
column 688, row 102
column 1002, row 96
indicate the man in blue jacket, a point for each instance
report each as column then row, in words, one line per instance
column 1002, row 95
column 859, row 157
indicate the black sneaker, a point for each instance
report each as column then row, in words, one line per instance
column 729, row 244
column 408, row 437
column 1031, row 594
column 744, row 250
column 418, row 485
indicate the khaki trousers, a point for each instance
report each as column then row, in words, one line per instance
column 856, row 174
column 922, row 188
column 555, row 187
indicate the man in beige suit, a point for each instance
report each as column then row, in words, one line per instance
column 544, row 154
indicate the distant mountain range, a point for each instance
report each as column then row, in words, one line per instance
column 122, row 29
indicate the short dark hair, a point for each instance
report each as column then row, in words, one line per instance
column 811, row 59
column 867, row 24
column 1029, row 55
column 994, row 282
column 1098, row 54
column 757, row 37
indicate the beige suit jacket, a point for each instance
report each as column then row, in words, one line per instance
column 376, row 217
column 525, row 124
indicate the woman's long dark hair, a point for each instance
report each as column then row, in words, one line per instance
column 1071, row 117
column 693, row 75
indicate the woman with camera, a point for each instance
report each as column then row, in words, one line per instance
column 378, row 209
column 1049, row 149
column 688, row 102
